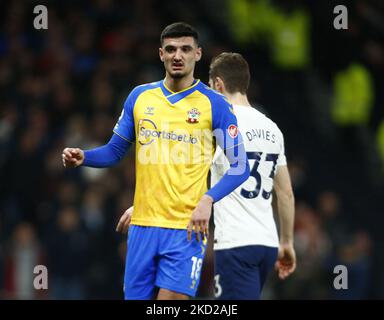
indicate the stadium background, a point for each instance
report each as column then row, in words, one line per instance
column 65, row 87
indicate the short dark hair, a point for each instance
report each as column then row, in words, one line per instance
column 233, row 69
column 178, row 30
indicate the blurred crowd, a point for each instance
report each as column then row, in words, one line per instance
column 65, row 86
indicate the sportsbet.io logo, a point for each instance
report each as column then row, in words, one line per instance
column 163, row 143
column 148, row 132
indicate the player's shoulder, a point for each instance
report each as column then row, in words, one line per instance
column 136, row 91
column 260, row 110
column 256, row 112
column 140, row 89
column 213, row 95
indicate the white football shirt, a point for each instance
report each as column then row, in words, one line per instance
column 245, row 216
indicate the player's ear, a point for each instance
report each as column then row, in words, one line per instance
column 219, row 85
column 211, row 83
column 161, row 54
column 198, row 54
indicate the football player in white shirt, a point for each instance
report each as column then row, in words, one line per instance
column 246, row 242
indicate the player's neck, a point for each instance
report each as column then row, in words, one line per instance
column 178, row 84
column 238, row 99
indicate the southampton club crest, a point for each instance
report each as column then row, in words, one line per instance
column 193, row 116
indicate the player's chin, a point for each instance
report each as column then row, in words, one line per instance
column 177, row 74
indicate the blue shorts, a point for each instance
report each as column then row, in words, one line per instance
column 163, row 258
column 240, row 273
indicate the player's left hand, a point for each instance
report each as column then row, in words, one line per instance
column 125, row 221
column 200, row 218
column 286, row 260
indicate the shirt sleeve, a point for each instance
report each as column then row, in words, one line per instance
column 224, row 124
column 125, row 126
column 237, row 174
column 107, row 155
column 228, row 137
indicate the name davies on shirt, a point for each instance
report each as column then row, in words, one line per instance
column 260, row 134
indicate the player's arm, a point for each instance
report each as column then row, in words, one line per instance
column 230, row 140
column 286, row 262
column 101, row 157
column 237, row 173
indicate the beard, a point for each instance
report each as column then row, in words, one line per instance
column 177, row 74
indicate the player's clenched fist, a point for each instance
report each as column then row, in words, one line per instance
column 72, row 157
